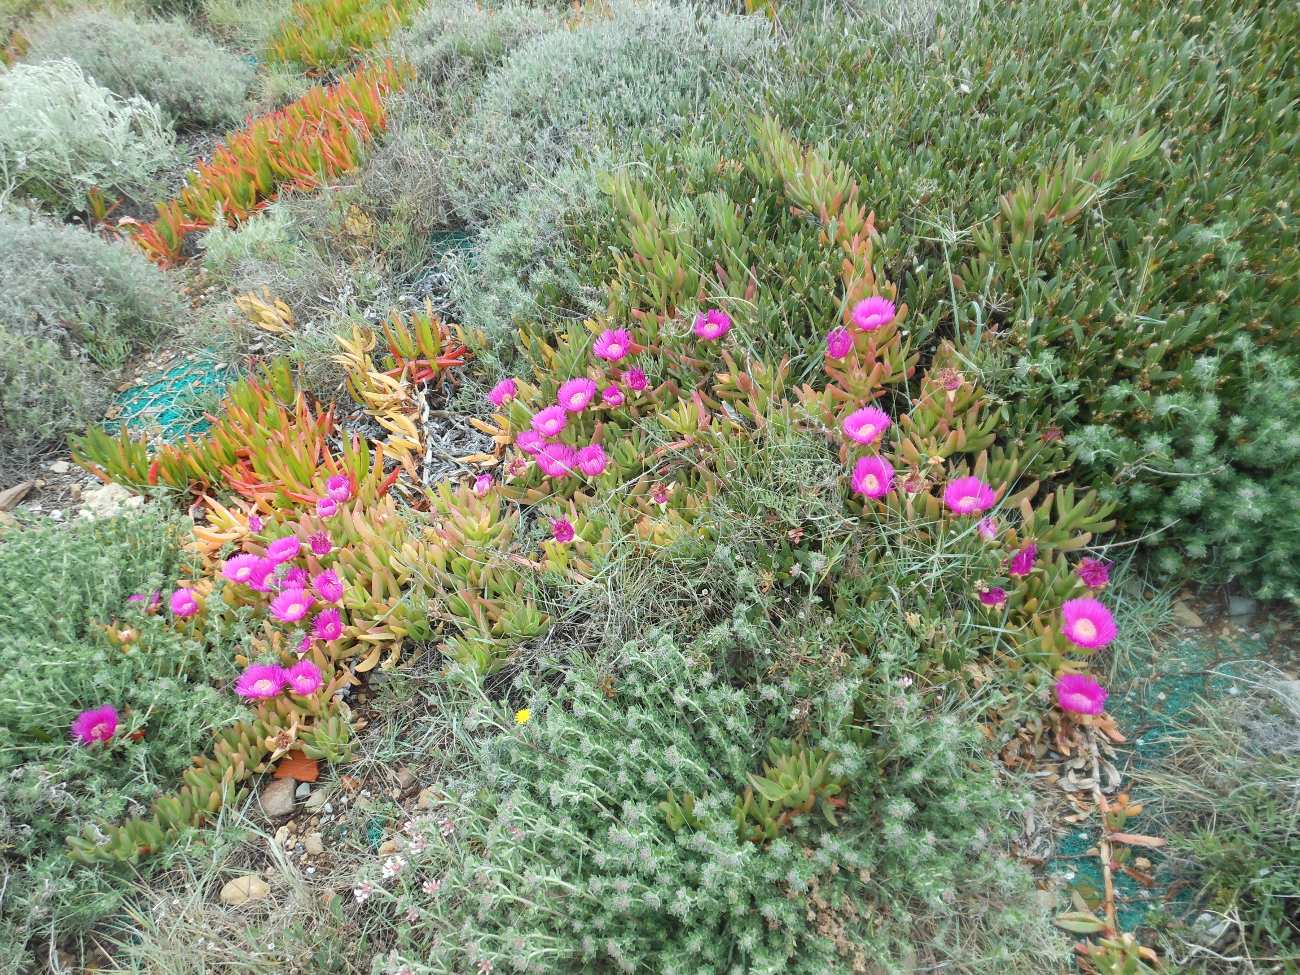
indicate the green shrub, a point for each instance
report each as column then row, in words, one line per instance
column 194, row 81
column 64, row 585
column 64, row 135
column 71, row 306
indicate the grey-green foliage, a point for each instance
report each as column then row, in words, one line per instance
column 552, row 854
column 637, row 73
column 65, row 135
column 196, row 82
column 71, row 305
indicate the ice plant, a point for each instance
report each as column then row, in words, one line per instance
column 1094, row 573
column 291, row 605
column 1087, row 623
column 866, row 425
column 611, row 396
column 339, row 488
column 328, row 625
column 562, row 530
column 294, row 577
column 183, row 603
column 241, row 568
column 996, row 597
column 988, row 529
column 550, row 421
column 711, row 325
column 636, row 380
column 557, row 460
column 576, row 394
column 1023, row 561
column 254, row 524
column 530, row 442
column 873, row 313
column 260, row 681
column 328, row 586
column 502, row 393
column 482, row 485
column 284, row 549
column 321, row 544
column 838, row 343
column 968, row 496
column 97, row 724
column 1080, row 694
column 327, row 508
column 873, row 477
column 304, row 678
column 592, row 460
column 612, row 344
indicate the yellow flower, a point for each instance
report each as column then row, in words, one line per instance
column 522, row 716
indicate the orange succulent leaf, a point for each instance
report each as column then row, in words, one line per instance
column 296, row 765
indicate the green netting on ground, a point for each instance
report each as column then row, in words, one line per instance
column 1151, row 699
column 172, row 403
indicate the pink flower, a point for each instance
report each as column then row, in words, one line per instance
column 968, row 496
column 838, row 343
column 291, row 605
column 482, row 485
column 254, row 524
column 321, row 544
column 503, row 392
column 988, row 529
column 284, row 549
column 576, row 394
column 304, row 645
column 183, row 603
column 873, row 313
column 294, row 577
column 1087, row 623
column 557, row 460
column 711, row 325
column 328, row 586
column 659, row 495
column 866, row 425
column 592, row 460
column 260, row 681
column 995, row 597
column 530, row 441
column 550, row 421
column 339, row 487
column 154, row 599
column 240, row 568
column 1023, row 561
column 304, row 678
column 97, row 724
column 612, row 344
column 262, row 572
column 1094, row 573
column 873, row 476
column 611, row 396
column 326, row 508
column 328, row 625
column 562, row 530
column 636, row 380
column 1081, row 694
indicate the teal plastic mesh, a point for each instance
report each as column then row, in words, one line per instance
column 171, row 403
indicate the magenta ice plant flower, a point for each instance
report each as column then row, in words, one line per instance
column 183, row 603
column 530, row 442
column 482, row 485
column 711, row 325
column 339, row 488
column 987, row 528
column 866, row 425
column 576, row 394
column 1080, row 694
column 1022, row 563
column 326, row 508
column 612, row 344
column 263, row 572
column 592, row 460
column 328, row 625
column 873, row 313
column 550, row 421
column 240, row 568
column 154, row 599
column 611, row 396
column 1087, row 623
column 328, row 586
column 97, row 724
column 968, row 496
column 503, row 392
column 838, row 343
column 284, row 549
column 636, row 380
column 996, row 597
column 254, row 524
column 260, row 681
column 557, row 460
column 304, row 645
column 873, row 477
column 291, row 605
column 321, row 544
column 304, row 678
column 294, row 577
column 562, row 530
column 1094, row 573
